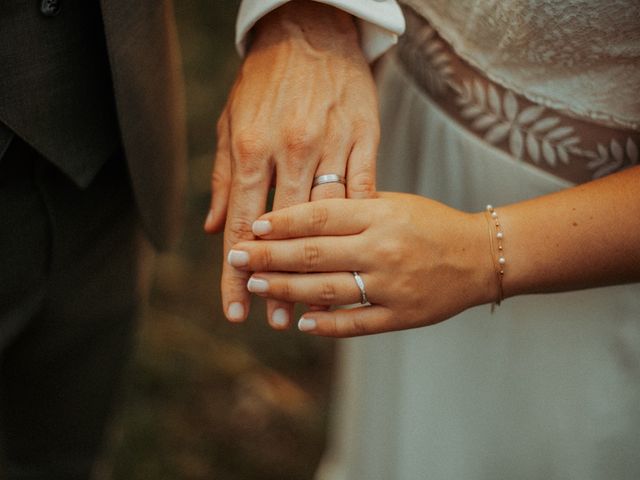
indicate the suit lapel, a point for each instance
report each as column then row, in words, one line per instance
column 146, row 70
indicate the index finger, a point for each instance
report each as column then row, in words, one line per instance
column 247, row 201
column 322, row 217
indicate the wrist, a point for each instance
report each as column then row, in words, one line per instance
column 320, row 25
column 486, row 279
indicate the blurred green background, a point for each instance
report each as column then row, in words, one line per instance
column 206, row 399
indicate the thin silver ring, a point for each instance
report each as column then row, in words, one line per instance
column 328, row 178
column 363, row 292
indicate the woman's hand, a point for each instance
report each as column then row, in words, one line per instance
column 304, row 104
column 421, row 262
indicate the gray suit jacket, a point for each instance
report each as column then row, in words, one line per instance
column 58, row 93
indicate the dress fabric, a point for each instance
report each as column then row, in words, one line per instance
column 578, row 56
column 547, row 386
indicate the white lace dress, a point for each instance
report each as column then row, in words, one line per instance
column 548, row 386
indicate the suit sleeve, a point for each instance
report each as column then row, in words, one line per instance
column 380, row 21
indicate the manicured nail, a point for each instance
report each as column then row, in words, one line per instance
column 238, row 258
column 280, row 317
column 235, row 313
column 257, row 285
column 209, row 221
column 261, row 227
column 306, row 324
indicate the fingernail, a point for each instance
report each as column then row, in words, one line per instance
column 235, row 313
column 238, row 258
column 209, row 220
column 261, row 227
column 306, row 324
column 257, row 285
column 280, row 317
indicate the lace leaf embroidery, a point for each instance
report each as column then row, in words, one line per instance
column 610, row 159
column 545, row 124
column 528, row 132
column 510, row 106
column 498, row 133
column 494, row 101
column 531, row 114
column 438, row 70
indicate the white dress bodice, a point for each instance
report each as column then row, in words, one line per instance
column 578, row 56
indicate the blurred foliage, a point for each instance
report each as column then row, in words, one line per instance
column 206, row 399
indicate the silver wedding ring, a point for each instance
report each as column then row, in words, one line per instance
column 328, row 178
column 363, row 292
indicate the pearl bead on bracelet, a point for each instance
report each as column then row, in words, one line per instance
column 493, row 221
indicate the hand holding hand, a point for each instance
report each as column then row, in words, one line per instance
column 421, row 262
column 303, row 105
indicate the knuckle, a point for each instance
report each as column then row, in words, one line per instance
column 238, row 228
column 265, row 257
column 298, row 140
column 249, row 178
column 310, row 256
column 359, row 326
column 249, row 172
column 362, row 185
column 248, row 168
column 332, row 326
column 233, row 282
column 389, row 249
column 319, row 218
column 248, row 145
column 328, row 294
column 285, row 291
column 285, row 224
column 293, row 171
column 288, row 186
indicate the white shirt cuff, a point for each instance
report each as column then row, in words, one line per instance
column 380, row 21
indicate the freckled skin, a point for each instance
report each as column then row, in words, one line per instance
column 453, row 269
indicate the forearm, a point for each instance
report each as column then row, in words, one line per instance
column 581, row 237
column 423, row 262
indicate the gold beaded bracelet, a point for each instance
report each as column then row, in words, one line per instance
column 492, row 221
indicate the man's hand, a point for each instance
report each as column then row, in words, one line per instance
column 303, row 105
